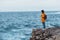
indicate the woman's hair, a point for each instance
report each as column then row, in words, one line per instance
column 42, row 11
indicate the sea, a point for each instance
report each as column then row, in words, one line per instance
column 19, row 25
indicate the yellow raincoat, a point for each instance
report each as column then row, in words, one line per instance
column 43, row 17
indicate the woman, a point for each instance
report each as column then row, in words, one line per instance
column 43, row 18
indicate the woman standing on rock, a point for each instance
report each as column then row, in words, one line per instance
column 43, row 18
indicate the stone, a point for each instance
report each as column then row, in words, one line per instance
column 47, row 34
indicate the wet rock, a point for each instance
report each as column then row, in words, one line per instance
column 47, row 34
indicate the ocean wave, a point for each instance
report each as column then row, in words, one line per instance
column 19, row 26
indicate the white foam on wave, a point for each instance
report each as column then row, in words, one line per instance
column 50, row 26
column 57, row 13
column 54, row 13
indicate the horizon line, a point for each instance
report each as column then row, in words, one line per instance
column 29, row 11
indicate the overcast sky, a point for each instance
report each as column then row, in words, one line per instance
column 29, row 5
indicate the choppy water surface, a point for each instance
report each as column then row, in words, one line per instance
column 19, row 25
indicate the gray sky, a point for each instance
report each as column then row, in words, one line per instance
column 29, row 5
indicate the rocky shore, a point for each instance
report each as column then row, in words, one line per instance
column 47, row 34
